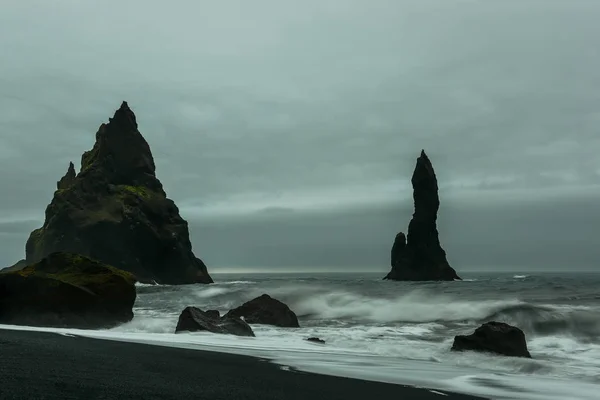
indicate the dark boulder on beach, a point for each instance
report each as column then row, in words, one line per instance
column 419, row 256
column 67, row 290
column 193, row 319
column 268, row 311
column 116, row 211
column 494, row 337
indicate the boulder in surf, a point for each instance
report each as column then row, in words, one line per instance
column 266, row 310
column 67, row 290
column 494, row 337
column 193, row 319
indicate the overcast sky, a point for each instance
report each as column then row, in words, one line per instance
column 287, row 131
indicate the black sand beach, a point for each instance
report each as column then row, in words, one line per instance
column 37, row 365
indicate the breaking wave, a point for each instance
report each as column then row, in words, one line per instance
column 414, row 307
column 400, row 332
column 329, row 304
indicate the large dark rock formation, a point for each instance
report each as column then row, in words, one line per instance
column 266, row 310
column 67, row 290
column 115, row 210
column 193, row 319
column 420, row 257
column 494, row 337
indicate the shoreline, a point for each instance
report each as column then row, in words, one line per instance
column 48, row 365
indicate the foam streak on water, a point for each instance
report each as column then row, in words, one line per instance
column 399, row 332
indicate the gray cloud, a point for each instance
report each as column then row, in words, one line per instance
column 542, row 233
column 253, row 109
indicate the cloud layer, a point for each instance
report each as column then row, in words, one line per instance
column 268, row 115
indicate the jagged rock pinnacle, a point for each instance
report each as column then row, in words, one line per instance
column 116, row 211
column 124, row 117
column 68, row 179
column 121, row 155
column 419, row 255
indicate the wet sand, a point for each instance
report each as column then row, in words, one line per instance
column 39, row 365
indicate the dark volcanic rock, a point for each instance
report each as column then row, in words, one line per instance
column 494, row 337
column 68, row 179
column 420, row 257
column 193, row 319
column 116, row 211
column 398, row 247
column 67, row 290
column 19, row 265
column 213, row 313
column 266, row 310
column 316, row 340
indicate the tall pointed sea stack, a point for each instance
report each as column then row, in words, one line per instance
column 420, row 257
column 116, row 211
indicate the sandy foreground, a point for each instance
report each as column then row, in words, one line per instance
column 40, row 365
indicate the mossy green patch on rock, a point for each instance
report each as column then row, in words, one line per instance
column 87, row 158
column 69, row 290
column 136, row 190
column 76, row 270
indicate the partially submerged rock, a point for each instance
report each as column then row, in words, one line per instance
column 420, row 257
column 67, row 290
column 316, row 340
column 193, row 319
column 115, row 210
column 266, row 310
column 494, row 337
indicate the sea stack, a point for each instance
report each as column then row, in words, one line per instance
column 116, row 211
column 419, row 256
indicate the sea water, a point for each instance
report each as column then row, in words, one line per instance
column 399, row 332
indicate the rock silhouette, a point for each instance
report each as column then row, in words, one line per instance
column 266, row 310
column 67, row 290
column 68, row 179
column 419, row 256
column 193, row 319
column 116, row 211
column 494, row 337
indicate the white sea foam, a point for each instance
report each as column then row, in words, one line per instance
column 415, row 306
column 211, row 292
column 138, row 284
column 289, row 349
column 371, row 332
column 440, row 393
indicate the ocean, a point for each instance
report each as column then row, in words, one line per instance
column 399, row 332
